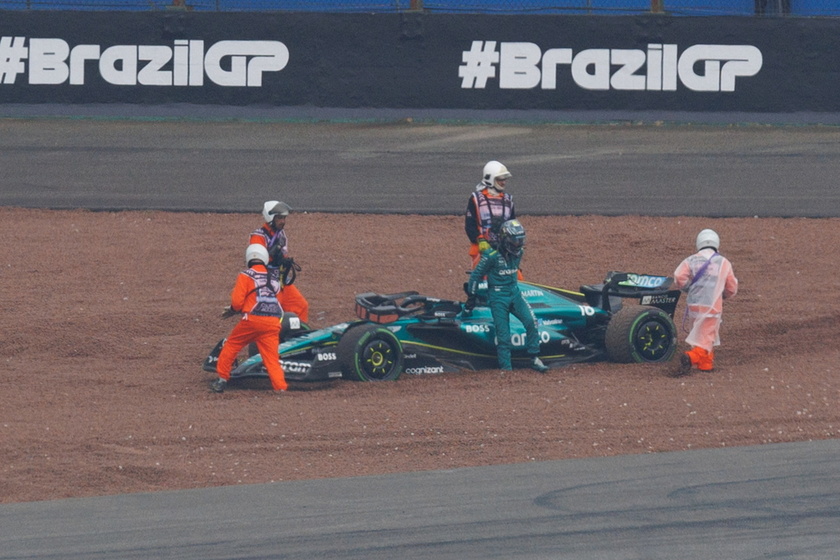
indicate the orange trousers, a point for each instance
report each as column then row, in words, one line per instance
column 701, row 358
column 292, row 300
column 265, row 332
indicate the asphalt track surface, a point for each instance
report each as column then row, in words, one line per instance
column 204, row 159
column 773, row 501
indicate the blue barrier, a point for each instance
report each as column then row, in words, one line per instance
column 710, row 7
column 572, row 7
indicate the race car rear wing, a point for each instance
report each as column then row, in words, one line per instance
column 649, row 289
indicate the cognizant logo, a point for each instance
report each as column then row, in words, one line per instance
column 659, row 68
column 185, row 63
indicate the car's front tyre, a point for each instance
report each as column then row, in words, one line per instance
column 369, row 352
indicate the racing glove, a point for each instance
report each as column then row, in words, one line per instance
column 288, row 270
column 228, row 312
column 275, row 255
column 483, row 245
column 469, row 305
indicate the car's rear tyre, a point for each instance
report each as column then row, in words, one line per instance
column 641, row 334
column 370, row 352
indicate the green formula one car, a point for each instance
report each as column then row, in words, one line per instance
column 627, row 318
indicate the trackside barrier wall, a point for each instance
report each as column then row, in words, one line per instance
column 416, row 60
column 563, row 7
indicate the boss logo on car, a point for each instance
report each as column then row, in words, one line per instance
column 477, row 328
column 326, row 357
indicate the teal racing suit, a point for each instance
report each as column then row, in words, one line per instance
column 504, row 298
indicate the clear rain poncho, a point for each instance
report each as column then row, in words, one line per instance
column 708, row 278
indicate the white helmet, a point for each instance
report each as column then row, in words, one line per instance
column 275, row 208
column 256, row 252
column 708, row 238
column 494, row 170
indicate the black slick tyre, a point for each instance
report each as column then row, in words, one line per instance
column 370, row 352
column 641, row 334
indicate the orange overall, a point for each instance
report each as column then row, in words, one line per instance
column 485, row 213
column 261, row 329
column 290, row 297
column 708, row 278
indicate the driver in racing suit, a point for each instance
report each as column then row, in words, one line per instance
column 256, row 296
column 500, row 266
column 708, row 278
column 272, row 236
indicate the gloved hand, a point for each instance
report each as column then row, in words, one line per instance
column 275, row 254
column 288, row 270
column 469, row 305
column 228, row 312
column 483, row 245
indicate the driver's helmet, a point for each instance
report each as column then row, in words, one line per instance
column 512, row 237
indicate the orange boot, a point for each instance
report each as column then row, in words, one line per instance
column 697, row 357
column 706, row 361
column 686, row 361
